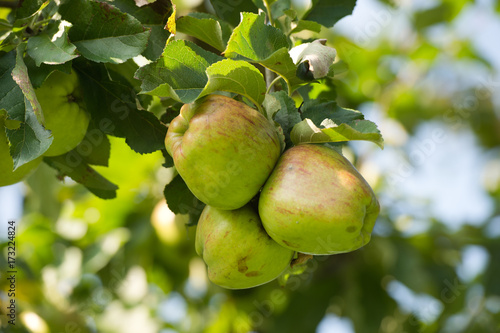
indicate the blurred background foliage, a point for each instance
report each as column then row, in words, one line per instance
column 427, row 72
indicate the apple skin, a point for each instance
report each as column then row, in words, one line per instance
column 61, row 100
column 7, row 175
column 237, row 250
column 316, row 202
column 223, row 149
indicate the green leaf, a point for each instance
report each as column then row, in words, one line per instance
column 153, row 16
column 82, row 173
column 180, row 200
column 279, row 7
column 8, row 42
column 29, row 8
column 328, row 12
column 255, row 41
column 95, row 147
column 281, row 108
column 186, row 72
column 238, row 77
column 281, row 63
column 43, row 50
column 337, row 68
column 206, row 28
column 4, row 26
column 18, row 98
column 307, row 132
column 111, row 100
column 102, row 33
column 319, row 110
column 38, row 74
column 306, row 25
column 156, row 43
column 229, row 10
column 320, row 90
column 169, row 161
column 180, row 73
column 325, row 121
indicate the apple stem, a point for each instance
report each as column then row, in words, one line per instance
column 302, row 258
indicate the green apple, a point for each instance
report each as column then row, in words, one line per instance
column 237, row 250
column 7, row 174
column 316, row 202
column 60, row 97
column 223, row 149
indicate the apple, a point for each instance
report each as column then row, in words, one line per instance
column 7, row 174
column 316, row 202
column 60, row 97
column 223, row 149
column 237, row 250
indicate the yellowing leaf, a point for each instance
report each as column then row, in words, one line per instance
column 171, row 21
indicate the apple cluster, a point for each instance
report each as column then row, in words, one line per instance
column 310, row 198
column 60, row 98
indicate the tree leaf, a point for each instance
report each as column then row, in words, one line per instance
column 180, row 73
column 315, row 57
column 255, row 41
column 325, row 121
column 238, row 77
column 38, row 74
column 156, row 43
column 281, row 108
column 29, row 8
column 102, row 33
column 306, row 25
column 111, row 100
column 307, row 132
column 169, row 161
column 206, row 28
column 43, row 50
column 153, row 16
column 279, row 7
column 18, row 98
column 229, row 10
column 319, row 110
column 322, row 91
column 95, row 147
column 180, row 200
column 83, row 174
column 327, row 12
column 4, row 26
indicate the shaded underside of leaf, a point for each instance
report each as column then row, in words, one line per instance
column 319, row 110
column 229, row 10
column 281, row 108
column 83, row 174
column 111, row 100
column 180, row 200
column 328, row 12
